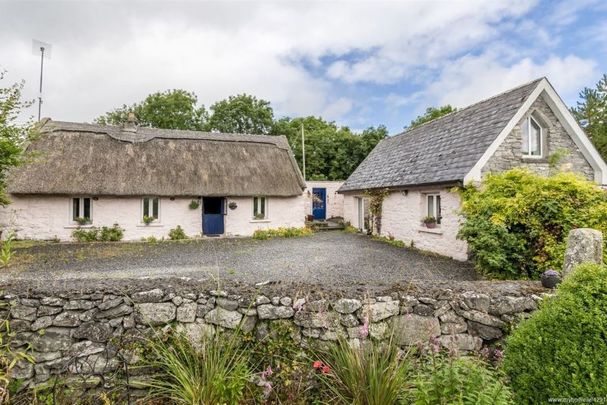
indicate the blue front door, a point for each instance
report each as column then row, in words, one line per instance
column 319, row 203
column 212, row 215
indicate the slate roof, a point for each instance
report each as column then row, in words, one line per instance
column 441, row 151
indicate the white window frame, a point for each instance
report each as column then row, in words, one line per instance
column 151, row 198
column 265, row 208
column 80, row 209
column 436, row 212
column 528, row 154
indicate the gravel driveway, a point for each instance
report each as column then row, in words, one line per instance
column 327, row 258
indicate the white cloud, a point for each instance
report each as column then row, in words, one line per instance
column 473, row 78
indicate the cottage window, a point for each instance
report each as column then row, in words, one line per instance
column 81, row 209
column 532, row 138
column 150, row 207
column 433, row 207
column 259, row 207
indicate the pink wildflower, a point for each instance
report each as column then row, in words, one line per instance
column 364, row 329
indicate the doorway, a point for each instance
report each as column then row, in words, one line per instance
column 213, row 211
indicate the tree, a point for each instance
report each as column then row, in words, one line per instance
column 332, row 152
column 13, row 136
column 171, row 109
column 241, row 114
column 431, row 113
column 591, row 113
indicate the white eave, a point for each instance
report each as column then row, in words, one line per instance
column 566, row 119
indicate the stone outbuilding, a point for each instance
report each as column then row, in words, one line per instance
column 522, row 127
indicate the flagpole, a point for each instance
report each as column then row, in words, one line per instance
column 303, row 151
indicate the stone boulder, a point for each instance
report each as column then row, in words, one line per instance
column 379, row 311
column 584, row 245
column 411, row 329
column 223, row 317
column 155, row 314
column 269, row 311
column 346, row 305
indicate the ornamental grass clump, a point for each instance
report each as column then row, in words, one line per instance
column 561, row 351
column 374, row 373
column 214, row 372
column 517, row 223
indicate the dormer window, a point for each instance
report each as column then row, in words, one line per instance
column 532, row 138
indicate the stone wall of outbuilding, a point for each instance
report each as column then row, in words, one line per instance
column 76, row 329
column 555, row 138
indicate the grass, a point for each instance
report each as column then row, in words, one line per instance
column 389, row 241
column 217, row 372
column 264, row 234
column 372, row 374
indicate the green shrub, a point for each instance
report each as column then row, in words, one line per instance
column 9, row 356
column 282, row 364
column 372, row 374
column 561, row 351
column 7, row 251
column 263, row 234
column 177, row 233
column 516, row 223
column 463, row 380
column 105, row 234
column 215, row 373
column 113, row 234
column 389, row 241
column 86, row 235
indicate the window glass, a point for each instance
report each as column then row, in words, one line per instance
column 151, row 207
column 433, row 204
column 259, row 207
column 532, row 138
column 86, row 208
column 75, row 208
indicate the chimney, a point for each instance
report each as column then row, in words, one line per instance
column 131, row 123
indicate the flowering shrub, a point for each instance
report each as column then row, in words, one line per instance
column 516, row 223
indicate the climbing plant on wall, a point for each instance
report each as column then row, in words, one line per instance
column 376, row 202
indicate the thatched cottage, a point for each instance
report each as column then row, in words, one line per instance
column 151, row 180
column 419, row 168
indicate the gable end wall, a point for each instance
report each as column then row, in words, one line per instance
column 509, row 155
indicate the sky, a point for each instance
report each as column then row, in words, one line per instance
column 358, row 63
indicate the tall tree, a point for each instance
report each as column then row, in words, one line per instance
column 242, row 114
column 332, row 152
column 171, row 109
column 13, row 136
column 591, row 113
column 431, row 113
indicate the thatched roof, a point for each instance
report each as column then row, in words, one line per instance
column 88, row 159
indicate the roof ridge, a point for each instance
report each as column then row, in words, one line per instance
column 470, row 105
column 149, row 133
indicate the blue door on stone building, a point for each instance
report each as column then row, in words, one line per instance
column 319, row 203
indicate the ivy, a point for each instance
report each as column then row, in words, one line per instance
column 376, row 202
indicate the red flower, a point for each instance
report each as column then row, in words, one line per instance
column 326, row 369
column 317, row 364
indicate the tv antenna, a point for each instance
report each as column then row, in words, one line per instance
column 44, row 49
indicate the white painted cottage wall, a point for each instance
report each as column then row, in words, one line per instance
column 281, row 212
column 335, row 201
column 401, row 218
column 48, row 217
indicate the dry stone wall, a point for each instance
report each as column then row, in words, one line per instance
column 78, row 331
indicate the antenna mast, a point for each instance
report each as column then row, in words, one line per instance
column 42, row 47
column 303, row 151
